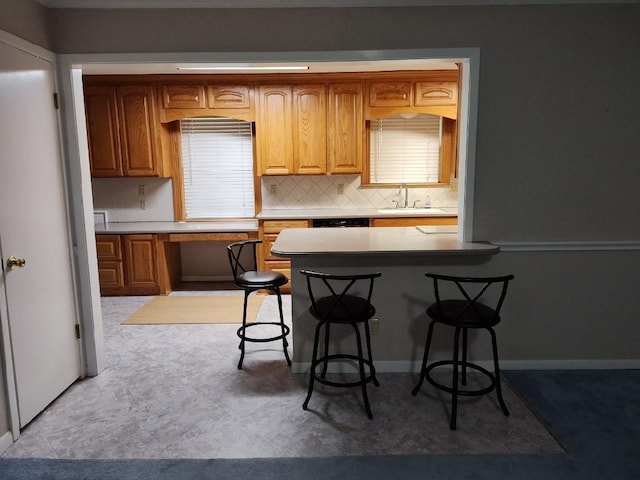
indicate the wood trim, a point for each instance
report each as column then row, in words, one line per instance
column 208, row 237
column 412, row 221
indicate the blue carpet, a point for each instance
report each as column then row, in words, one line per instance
column 595, row 415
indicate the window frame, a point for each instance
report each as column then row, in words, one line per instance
column 448, row 158
column 180, row 212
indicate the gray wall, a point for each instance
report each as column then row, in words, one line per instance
column 557, row 144
column 26, row 19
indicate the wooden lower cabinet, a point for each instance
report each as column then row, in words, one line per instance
column 128, row 264
column 268, row 231
column 412, row 221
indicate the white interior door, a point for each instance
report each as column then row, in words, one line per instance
column 40, row 295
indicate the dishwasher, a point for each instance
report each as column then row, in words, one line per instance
column 340, row 222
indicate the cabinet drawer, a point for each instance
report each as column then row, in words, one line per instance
column 436, row 93
column 229, row 96
column 108, row 247
column 281, row 266
column 111, row 275
column 390, row 94
column 413, row 221
column 183, row 96
column 275, row 226
column 267, row 242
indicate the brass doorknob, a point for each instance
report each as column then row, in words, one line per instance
column 13, row 262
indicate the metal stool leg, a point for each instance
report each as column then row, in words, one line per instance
column 243, row 329
column 496, row 368
column 312, row 373
column 425, row 357
column 367, row 336
column 327, row 334
column 454, row 386
column 285, row 344
column 365, row 397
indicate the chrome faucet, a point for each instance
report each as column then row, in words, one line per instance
column 406, row 194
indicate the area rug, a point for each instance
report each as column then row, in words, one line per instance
column 195, row 309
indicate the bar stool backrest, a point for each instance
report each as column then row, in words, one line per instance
column 345, row 298
column 473, row 303
column 242, row 262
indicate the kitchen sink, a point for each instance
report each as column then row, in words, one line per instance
column 410, row 211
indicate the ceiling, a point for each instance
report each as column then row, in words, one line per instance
column 300, row 3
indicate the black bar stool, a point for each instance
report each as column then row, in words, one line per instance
column 346, row 300
column 464, row 313
column 247, row 277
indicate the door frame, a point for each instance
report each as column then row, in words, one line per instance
column 77, row 154
column 10, row 391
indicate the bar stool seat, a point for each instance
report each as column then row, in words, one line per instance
column 341, row 303
column 247, row 277
column 463, row 314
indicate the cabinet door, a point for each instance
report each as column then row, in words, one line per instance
column 140, row 148
column 390, row 94
column 273, row 131
column 436, row 93
column 310, row 129
column 345, row 128
column 141, row 262
column 108, row 247
column 111, row 277
column 102, row 131
column 178, row 96
column 229, row 96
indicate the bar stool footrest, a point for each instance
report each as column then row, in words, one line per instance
column 368, row 378
column 243, row 335
column 460, row 391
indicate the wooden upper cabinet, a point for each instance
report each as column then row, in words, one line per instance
column 274, row 133
column 310, row 129
column 390, row 94
column 123, row 133
column 229, row 96
column 436, row 93
column 345, row 128
column 192, row 98
column 103, row 134
column 177, row 96
column 138, row 135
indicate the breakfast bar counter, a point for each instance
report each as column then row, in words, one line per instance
column 427, row 240
column 401, row 295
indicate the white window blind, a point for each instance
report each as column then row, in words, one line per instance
column 405, row 150
column 217, row 163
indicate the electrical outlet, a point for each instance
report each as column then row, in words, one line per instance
column 142, row 191
column 273, row 189
column 340, row 188
column 374, row 326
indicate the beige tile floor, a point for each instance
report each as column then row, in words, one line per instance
column 173, row 391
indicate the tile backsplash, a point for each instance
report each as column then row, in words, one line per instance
column 322, row 191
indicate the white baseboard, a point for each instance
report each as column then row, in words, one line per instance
column 409, row 367
column 6, row 441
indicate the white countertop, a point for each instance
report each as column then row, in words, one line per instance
column 374, row 240
column 305, row 213
column 178, row 227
